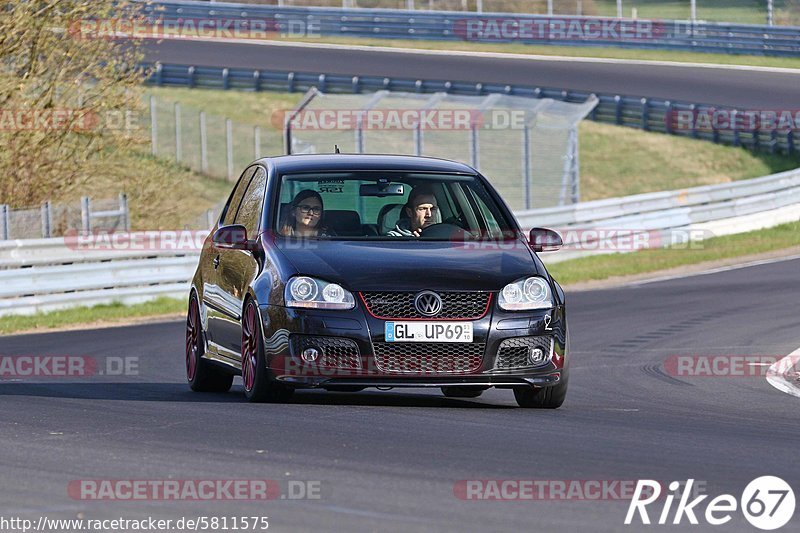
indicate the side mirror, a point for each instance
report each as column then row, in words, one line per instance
column 545, row 240
column 231, row 237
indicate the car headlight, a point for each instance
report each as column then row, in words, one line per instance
column 303, row 291
column 526, row 294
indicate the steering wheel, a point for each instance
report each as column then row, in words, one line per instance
column 446, row 231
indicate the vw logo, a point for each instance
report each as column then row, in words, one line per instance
column 428, row 303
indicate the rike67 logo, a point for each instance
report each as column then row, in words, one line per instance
column 767, row 502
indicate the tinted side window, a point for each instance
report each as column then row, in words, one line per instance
column 250, row 211
column 236, row 198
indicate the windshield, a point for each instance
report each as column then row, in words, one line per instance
column 388, row 205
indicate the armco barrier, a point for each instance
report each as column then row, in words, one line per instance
column 48, row 274
column 496, row 27
column 709, row 210
column 649, row 114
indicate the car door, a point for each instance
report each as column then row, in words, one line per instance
column 238, row 268
column 217, row 303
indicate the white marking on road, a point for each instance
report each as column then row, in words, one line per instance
column 713, row 270
column 778, row 374
column 495, row 55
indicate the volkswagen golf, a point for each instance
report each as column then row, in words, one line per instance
column 343, row 272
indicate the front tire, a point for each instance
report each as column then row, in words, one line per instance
column 259, row 385
column 201, row 374
column 543, row 397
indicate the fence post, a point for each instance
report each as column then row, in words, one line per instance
column 47, row 218
column 4, row 217
column 474, row 147
column 618, row 109
column 526, row 164
column 356, row 82
column 668, row 116
column 86, row 215
column 790, row 142
column 418, row 141
column 159, row 74
column 190, row 76
column 225, row 79
column 203, row 143
column 257, row 81
column 290, row 82
column 229, row 146
column 178, row 146
column 126, row 214
column 153, row 126
column 645, row 114
column 257, row 142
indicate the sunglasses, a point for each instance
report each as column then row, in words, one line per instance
column 306, row 209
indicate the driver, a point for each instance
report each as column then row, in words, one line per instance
column 421, row 211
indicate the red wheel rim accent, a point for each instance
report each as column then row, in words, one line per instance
column 249, row 347
column 192, row 339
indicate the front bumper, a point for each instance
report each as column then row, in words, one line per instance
column 358, row 351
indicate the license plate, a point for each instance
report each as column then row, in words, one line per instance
column 428, row 332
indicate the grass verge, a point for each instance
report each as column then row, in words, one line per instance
column 91, row 316
column 601, row 267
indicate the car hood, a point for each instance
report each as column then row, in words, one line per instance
column 415, row 265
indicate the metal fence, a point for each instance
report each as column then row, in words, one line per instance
column 528, row 146
column 649, row 114
column 52, row 219
column 686, row 35
column 207, row 143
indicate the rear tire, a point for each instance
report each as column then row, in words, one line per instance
column 462, row 392
column 259, row 384
column 543, row 397
column 200, row 373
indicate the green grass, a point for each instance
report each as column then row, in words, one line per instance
column 97, row 315
column 569, row 51
column 602, row 267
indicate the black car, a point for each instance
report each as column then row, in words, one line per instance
column 343, row 272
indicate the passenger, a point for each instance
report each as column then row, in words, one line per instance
column 421, row 211
column 303, row 216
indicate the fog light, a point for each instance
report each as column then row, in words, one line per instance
column 310, row 355
column 536, row 356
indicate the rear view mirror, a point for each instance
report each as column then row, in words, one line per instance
column 381, row 190
column 232, row 237
column 545, row 240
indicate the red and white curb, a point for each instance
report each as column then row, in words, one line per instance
column 783, row 375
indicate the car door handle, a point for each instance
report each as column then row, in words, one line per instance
column 216, row 262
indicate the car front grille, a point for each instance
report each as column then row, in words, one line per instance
column 400, row 305
column 429, row 357
column 336, row 352
column 513, row 353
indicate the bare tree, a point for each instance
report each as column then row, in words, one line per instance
column 68, row 93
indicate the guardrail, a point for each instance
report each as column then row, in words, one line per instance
column 48, row 274
column 649, row 114
column 40, row 275
column 500, row 27
column 671, row 217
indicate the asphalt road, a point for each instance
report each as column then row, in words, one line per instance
column 748, row 89
column 388, row 461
